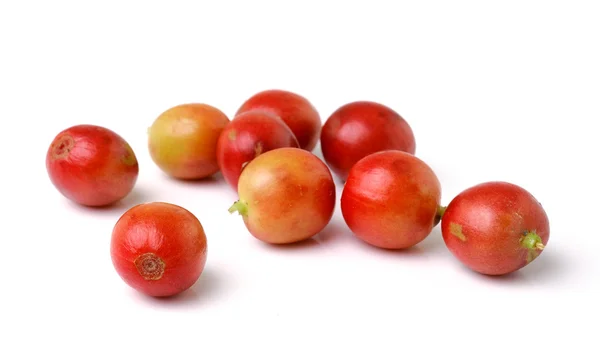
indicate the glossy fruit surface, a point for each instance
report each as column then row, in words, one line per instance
column 295, row 110
column 358, row 129
column 246, row 137
column 159, row 249
column 495, row 228
column 183, row 140
column 285, row 195
column 91, row 165
column 391, row 199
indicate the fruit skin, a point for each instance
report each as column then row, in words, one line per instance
column 246, row 137
column 485, row 226
column 295, row 110
column 358, row 129
column 169, row 239
column 286, row 195
column 91, row 165
column 183, row 140
column 391, row 199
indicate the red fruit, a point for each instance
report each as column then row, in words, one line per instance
column 359, row 129
column 91, row 165
column 183, row 140
column 295, row 110
column 495, row 228
column 391, row 199
column 285, row 195
column 246, row 137
column 158, row 249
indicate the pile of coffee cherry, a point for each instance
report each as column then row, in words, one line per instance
column 390, row 199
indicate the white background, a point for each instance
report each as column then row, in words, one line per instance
column 508, row 91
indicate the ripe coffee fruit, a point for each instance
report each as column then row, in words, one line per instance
column 295, row 110
column 247, row 136
column 183, row 140
column 391, row 199
column 495, row 228
column 360, row 128
column 159, row 248
column 91, row 165
column 285, row 195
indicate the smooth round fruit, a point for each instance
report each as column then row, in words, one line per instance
column 159, row 249
column 91, row 165
column 360, row 128
column 246, row 137
column 391, row 199
column 495, row 228
column 295, row 110
column 183, row 140
column 285, row 195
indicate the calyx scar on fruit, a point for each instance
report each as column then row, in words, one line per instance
column 495, row 228
column 285, row 195
column 159, row 249
column 91, row 165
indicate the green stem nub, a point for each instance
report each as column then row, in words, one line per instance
column 440, row 213
column 240, row 207
column 532, row 241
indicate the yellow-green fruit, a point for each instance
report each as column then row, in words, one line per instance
column 183, row 140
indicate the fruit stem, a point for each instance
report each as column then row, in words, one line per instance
column 440, row 213
column 240, row 207
column 532, row 241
